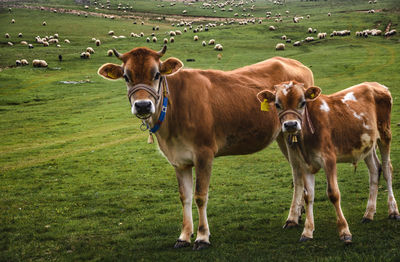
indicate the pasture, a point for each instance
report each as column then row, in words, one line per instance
column 78, row 180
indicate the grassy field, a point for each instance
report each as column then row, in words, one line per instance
column 79, row 182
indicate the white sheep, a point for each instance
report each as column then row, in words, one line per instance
column 110, row 52
column 20, row 35
column 203, row 43
column 7, row 35
column 329, row 14
column 111, row 32
column 195, row 38
column 172, row 39
column 211, row 42
column 309, row 30
column 297, row 43
column 30, row 46
column 98, row 42
column 283, row 37
column 45, row 44
column 272, row 28
column 44, row 23
column 39, row 63
column 218, row 47
column 55, row 35
column 309, row 39
column 24, row 62
column 67, row 41
column 90, row 50
column 12, row 21
column 154, row 39
column 17, row 62
column 85, row 55
column 280, row 46
column 148, row 39
column 24, row 43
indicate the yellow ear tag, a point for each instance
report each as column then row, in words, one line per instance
column 312, row 95
column 264, row 105
column 168, row 72
column 111, row 75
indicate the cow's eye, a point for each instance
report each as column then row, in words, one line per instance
column 157, row 76
column 278, row 106
column 126, row 78
column 302, row 104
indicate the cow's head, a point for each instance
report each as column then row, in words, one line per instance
column 142, row 70
column 290, row 101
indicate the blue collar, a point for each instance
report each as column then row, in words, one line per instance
column 162, row 115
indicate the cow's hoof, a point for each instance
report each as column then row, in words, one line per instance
column 394, row 216
column 366, row 220
column 346, row 239
column 305, row 239
column 200, row 245
column 181, row 243
column 290, row 224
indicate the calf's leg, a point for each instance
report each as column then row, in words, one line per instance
column 373, row 165
column 185, row 183
column 309, row 184
column 296, row 206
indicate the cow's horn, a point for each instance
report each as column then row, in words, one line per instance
column 162, row 51
column 116, row 53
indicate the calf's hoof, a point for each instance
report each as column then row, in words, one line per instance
column 305, row 239
column 290, row 224
column 181, row 243
column 366, row 220
column 394, row 216
column 200, row 245
column 346, row 239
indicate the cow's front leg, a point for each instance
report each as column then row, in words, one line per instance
column 296, row 206
column 203, row 166
column 309, row 184
column 334, row 195
column 185, row 183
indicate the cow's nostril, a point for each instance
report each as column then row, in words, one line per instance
column 143, row 107
column 290, row 124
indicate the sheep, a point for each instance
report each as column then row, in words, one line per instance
column 45, row 44
column 321, row 35
column 12, row 21
column 110, row 52
column 297, row 43
column 90, row 50
column 157, row 28
column 85, row 55
column 154, row 39
column 372, row 11
column 44, row 23
column 98, row 42
column 283, row 37
column 86, row 7
column 39, row 63
column 67, row 41
column 141, row 34
column 53, row 41
column 178, row 32
column 172, row 33
column 17, row 62
column 309, row 39
column 272, row 28
column 165, row 40
column 55, row 35
column 20, row 35
column 24, row 62
column 114, row 37
column 280, row 46
column 7, row 35
column 203, row 43
column 308, row 16
column 30, row 46
column 219, row 56
column 195, row 38
column 218, row 47
column 58, row 45
column 309, row 30
column 111, row 32
column 329, row 14
column 172, row 39
column 148, row 39
column 390, row 33
column 24, row 43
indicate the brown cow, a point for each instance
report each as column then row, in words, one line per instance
column 320, row 130
column 197, row 115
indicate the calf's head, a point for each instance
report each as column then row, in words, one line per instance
column 290, row 99
column 142, row 70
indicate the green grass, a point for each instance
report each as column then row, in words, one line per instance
column 79, row 182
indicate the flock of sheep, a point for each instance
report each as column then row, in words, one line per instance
column 187, row 26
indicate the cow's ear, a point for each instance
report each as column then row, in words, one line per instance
column 312, row 93
column 266, row 95
column 111, row 71
column 170, row 66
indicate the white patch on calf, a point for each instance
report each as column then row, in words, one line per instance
column 366, row 126
column 324, row 106
column 358, row 116
column 287, row 87
column 349, row 97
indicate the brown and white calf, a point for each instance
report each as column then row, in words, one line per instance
column 208, row 113
column 321, row 130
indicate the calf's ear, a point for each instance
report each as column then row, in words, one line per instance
column 266, row 95
column 110, row 71
column 170, row 66
column 312, row 93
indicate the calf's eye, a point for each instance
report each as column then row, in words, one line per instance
column 277, row 106
column 157, row 76
column 126, row 78
column 302, row 104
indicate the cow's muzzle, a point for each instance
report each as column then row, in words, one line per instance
column 143, row 109
column 291, row 126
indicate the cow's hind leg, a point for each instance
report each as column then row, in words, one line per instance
column 309, row 183
column 334, row 195
column 203, row 166
column 387, row 173
column 185, row 182
column 374, row 168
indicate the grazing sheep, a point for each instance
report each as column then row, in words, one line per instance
column 280, row 46
column 372, row 11
column 308, row 16
column 297, row 43
column 39, row 63
column 329, row 14
column 203, row 43
column 165, row 40
column 20, row 35
column 309, row 39
column 111, row 32
column 12, row 21
column 44, row 23
column 85, row 55
column 283, row 37
column 24, row 62
column 211, row 42
column 148, row 39
column 114, row 37
column 195, row 38
column 90, row 50
column 24, row 43
column 390, row 33
column 178, row 32
column 172, row 39
column 45, row 44
column 94, row 39
column 321, row 35
column 172, row 33
column 67, row 41
column 30, row 46
column 53, row 41
column 55, row 35
column 154, row 39
column 288, row 40
column 98, row 42
column 7, row 35
column 309, row 30
column 272, row 28
column 218, row 47
column 17, row 62
column 110, row 52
